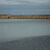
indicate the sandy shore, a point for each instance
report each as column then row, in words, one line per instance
column 24, row 17
column 32, row 43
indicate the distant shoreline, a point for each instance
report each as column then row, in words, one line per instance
column 6, row 16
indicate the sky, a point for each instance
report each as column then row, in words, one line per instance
column 30, row 2
column 25, row 7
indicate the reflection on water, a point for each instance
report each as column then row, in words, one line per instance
column 12, row 29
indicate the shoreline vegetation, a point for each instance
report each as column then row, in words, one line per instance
column 5, row 16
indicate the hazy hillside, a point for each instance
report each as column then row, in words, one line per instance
column 25, row 9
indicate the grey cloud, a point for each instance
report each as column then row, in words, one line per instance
column 21, row 1
column 30, row 2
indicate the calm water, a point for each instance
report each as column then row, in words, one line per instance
column 12, row 29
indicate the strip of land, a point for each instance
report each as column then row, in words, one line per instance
column 24, row 17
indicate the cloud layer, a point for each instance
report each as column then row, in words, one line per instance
column 24, row 7
column 30, row 2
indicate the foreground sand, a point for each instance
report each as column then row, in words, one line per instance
column 24, row 17
column 31, row 43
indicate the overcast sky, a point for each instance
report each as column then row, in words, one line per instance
column 31, row 2
column 25, row 7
